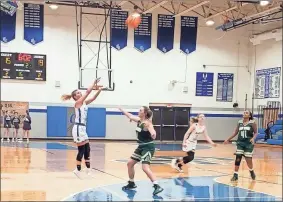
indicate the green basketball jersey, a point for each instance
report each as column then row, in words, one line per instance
column 143, row 135
column 246, row 132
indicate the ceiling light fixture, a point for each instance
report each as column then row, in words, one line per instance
column 209, row 22
column 264, row 3
column 53, row 6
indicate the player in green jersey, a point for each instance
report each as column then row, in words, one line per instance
column 247, row 132
column 145, row 150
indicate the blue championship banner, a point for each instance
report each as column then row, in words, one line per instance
column 204, row 84
column 33, row 23
column 165, row 33
column 8, row 27
column 267, row 83
column 119, row 29
column 225, row 87
column 142, row 34
column 189, row 27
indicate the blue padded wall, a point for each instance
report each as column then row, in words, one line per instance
column 96, row 122
column 56, row 121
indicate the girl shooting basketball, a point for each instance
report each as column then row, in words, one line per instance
column 145, row 151
column 79, row 130
column 247, row 132
column 190, row 142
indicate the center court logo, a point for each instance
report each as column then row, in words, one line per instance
column 163, row 160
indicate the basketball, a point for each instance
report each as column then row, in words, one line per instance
column 133, row 20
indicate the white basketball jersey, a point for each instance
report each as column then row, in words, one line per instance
column 194, row 135
column 81, row 114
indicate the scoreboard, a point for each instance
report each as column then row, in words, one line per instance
column 23, row 66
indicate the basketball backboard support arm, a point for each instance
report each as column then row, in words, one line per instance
column 110, row 86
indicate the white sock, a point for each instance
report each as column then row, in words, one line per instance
column 236, row 173
column 155, row 182
column 251, row 170
column 131, row 180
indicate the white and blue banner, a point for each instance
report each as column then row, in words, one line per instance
column 225, row 87
column 33, row 23
column 204, row 84
column 189, row 28
column 142, row 34
column 119, row 29
column 267, row 83
column 7, row 27
column 165, row 33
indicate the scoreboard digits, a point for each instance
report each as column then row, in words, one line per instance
column 8, row 60
column 22, row 66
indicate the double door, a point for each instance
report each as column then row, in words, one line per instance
column 171, row 123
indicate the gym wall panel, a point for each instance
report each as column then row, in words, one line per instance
column 96, row 122
column 220, row 128
column 56, row 121
column 119, row 127
column 38, row 125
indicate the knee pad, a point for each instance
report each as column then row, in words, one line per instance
column 87, row 151
column 238, row 160
column 189, row 158
column 81, row 150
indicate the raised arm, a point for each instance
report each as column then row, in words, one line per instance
column 208, row 139
column 130, row 116
column 90, row 100
column 82, row 99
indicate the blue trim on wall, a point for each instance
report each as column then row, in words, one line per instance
column 96, row 122
column 136, row 113
column 57, row 121
column 38, row 110
column 119, row 113
column 220, row 115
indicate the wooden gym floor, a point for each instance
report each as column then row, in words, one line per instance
column 42, row 171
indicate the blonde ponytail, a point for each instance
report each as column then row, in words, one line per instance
column 66, row 97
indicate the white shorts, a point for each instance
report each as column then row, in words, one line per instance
column 190, row 146
column 79, row 133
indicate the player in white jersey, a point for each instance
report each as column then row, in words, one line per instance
column 197, row 128
column 79, row 130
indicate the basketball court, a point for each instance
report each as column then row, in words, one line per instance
column 42, row 171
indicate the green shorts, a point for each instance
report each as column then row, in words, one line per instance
column 245, row 148
column 143, row 154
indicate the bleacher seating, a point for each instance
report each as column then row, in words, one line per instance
column 276, row 134
column 276, row 131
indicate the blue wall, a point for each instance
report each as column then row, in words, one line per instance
column 56, row 121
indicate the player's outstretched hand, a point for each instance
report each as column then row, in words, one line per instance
column 215, row 145
column 226, row 142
